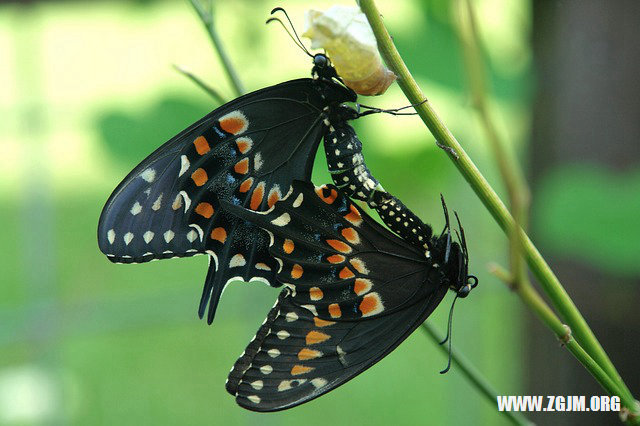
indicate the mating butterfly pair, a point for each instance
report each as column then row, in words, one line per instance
column 353, row 290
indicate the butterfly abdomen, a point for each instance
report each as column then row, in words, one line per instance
column 401, row 220
column 346, row 164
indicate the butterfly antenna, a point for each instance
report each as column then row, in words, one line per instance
column 446, row 214
column 447, row 229
column 296, row 39
column 449, row 337
column 463, row 240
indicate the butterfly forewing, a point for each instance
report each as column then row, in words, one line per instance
column 246, row 152
column 351, row 298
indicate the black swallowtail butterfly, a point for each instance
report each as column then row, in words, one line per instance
column 353, row 292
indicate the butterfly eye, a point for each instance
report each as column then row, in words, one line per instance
column 464, row 291
column 320, row 60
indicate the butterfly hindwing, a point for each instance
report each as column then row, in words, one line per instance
column 297, row 356
column 246, row 152
column 328, row 326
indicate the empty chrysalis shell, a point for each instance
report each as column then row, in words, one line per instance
column 344, row 32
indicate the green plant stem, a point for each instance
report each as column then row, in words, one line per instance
column 473, row 375
column 200, row 83
column 491, row 201
column 207, row 21
column 512, row 175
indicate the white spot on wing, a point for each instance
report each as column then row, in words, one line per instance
column 187, row 200
column 128, row 237
column 237, row 260
column 298, row 201
column 149, row 175
column 257, row 162
column 184, row 165
column 157, row 203
column 266, row 369
column 273, row 353
column 111, row 236
column 148, row 236
column 282, row 334
column 282, row 220
column 136, row 208
column 262, row 267
column 254, row 398
column 168, row 236
column 192, row 235
column 291, row 316
column 257, row 385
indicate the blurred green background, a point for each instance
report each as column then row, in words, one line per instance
column 87, row 91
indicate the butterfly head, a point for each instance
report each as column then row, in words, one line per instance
column 322, row 68
column 454, row 258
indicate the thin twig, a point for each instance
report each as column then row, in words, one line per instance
column 493, row 203
column 473, row 375
column 200, row 83
column 512, row 175
column 207, row 21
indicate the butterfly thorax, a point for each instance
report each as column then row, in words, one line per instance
column 451, row 259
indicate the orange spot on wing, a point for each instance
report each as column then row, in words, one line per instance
column 362, row 286
column 339, row 246
column 296, row 271
column 315, row 293
column 334, row 310
column 359, row 266
column 314, row 337
column 329, row 199
column 346, row 273
column 354, row 216
column 322, row 323
column 219, row 234
column 288, row 246
column 246, row 185
column 256, row 196
column 336, row 258
column 244, row 145
column 370, row 305
column 234, row 124
column 242, row 166
column 199, row 177
column 351, row 235
column 201, row 144
column 205, row 210
column 306, row 353
column 274, row 195
column 300, row 369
